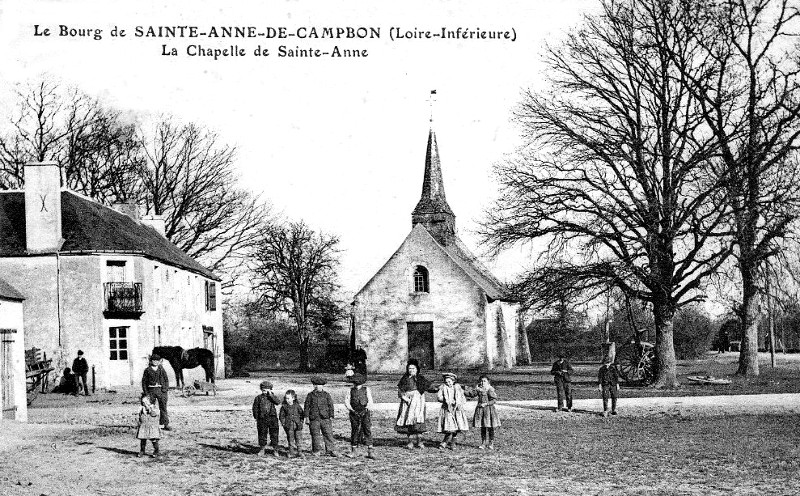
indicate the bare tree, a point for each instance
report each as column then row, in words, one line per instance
column 751, row 102
column 615, row 172
column 92, row 143
column 189, row 178
column 295, row 272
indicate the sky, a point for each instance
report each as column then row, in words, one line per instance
column 337, row 142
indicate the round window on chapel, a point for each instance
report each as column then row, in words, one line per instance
column 421, row 280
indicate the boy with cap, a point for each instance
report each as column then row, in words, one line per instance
column 319, row 415
column 155, row 382
column 608, row 384
column 358, row 402
column 266, row 415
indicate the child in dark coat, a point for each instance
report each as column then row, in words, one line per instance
column 608, row 384
column 291, row 418
column 319, row 415
column 266, row 415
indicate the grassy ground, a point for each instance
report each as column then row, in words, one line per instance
column 538, row 454
column 536, row 383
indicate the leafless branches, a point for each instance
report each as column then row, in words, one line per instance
column 295, row 272
column 616, row 171
column 179, row 171
column 752, row 106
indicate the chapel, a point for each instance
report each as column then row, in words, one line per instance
column 433, row 300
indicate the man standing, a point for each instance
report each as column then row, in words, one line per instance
column 561, row 374
column 155, row 381
column 81, row 368
column 608, row 384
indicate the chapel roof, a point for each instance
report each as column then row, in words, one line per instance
column 88, row 226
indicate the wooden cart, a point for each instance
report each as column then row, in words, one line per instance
column 37, row 372
column 198, row 387
column 636, row 360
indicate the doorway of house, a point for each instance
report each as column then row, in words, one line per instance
column 420, row 343
column 7, row 374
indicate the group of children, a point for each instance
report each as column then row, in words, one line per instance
column 318, row 411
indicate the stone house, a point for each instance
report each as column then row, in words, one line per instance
column 433, row 300
column 102, row 280
column 13, row 396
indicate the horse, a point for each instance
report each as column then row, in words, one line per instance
column 180, row 359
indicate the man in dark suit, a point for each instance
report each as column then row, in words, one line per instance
column 608, row 383
column 561, row 374
column 81, row 368
column 155, row 381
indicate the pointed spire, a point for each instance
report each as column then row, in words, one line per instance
column 432, row 209
column 433, row 196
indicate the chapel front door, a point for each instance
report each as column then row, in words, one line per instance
column 420, row 343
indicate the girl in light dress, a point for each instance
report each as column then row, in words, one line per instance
column 452, row 417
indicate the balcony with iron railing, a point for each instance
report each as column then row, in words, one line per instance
column 123, row 300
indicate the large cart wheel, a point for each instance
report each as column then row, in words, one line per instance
column 637, row 362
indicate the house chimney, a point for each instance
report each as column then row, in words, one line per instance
column 156, row 222
column 42, row 207
column 129, row 209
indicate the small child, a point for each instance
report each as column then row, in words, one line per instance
column 608, row 385
column 319, row 416
column 148, row 427
column 358, row 402
column 349, row 371
column 291, row 418
column 485, row 414
column 266, row 415
column 452, row 418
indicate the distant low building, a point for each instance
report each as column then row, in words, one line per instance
column 13, row 397
column 433, row 300
column 102, row 280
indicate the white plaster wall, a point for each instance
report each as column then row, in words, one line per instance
column 455, row 305
column 179, row 309
column 11, row 317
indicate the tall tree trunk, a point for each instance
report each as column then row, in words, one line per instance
column 666, row 362
column 305, row 362
column 750, row 316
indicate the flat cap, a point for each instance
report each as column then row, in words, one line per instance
column 155, row 357
column 318, row 381
column 265, row 385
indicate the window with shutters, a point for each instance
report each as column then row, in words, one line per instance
column 211, row 296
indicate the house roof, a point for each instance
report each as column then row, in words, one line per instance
column 8, row 292
column 466, row 261
column 88, row 226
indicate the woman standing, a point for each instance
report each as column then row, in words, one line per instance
column 411, row 415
